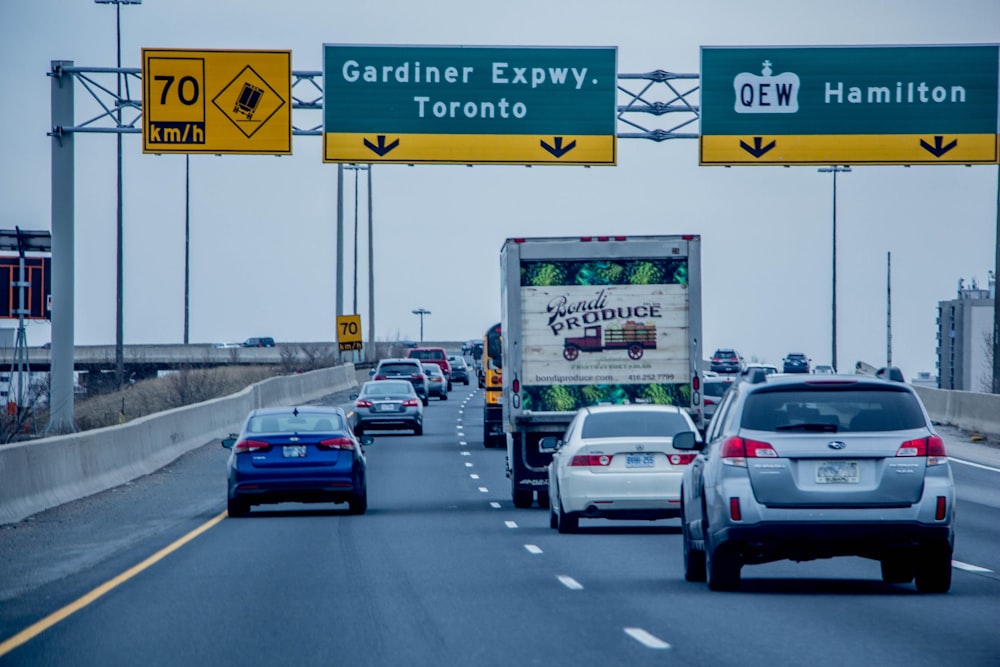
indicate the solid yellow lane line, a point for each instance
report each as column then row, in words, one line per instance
column 41, row 626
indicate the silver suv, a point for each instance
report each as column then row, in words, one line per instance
column 807, row 467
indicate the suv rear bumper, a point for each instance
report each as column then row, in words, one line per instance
column 769, row 541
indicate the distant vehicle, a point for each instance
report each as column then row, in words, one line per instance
column 264, row 341
column 469, row 346
column 890, row 373
column 459, row 369
column 824, row 369
column 388, row 404
column 726, row 360
column 618, row 462
column 435, row 355
column 714, row 389
column 404, row 369
column 804, row 468
column 306, row 454
column 437, row 383
column 795, row 362
column 768, row 369
column 227, row 346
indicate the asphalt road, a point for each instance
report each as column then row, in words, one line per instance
column 442, row 570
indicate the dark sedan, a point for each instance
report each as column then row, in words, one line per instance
column 306, row 454
column 459, row 370
column 795, row 362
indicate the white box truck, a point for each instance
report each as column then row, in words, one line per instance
column 592, row 320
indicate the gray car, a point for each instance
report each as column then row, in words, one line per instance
column 806, row 467
column 388, row 404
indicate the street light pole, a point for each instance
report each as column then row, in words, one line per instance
column 833, row 326
column 421, row 312
column 120, row 251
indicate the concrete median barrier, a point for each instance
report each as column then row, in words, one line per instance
column 40, row 474
column 970, row 411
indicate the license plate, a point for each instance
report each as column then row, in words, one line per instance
column 837, row 472
column 639, row 461
column 387, row 407
column 294, row 451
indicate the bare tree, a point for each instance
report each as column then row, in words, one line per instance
column 986, row 379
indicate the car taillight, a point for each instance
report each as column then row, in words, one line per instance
column 736, row 451
column 681, row 459
column 932, row 447
column 516, row 385
column 362, row 403
column 336, row 443
column 246, row 446
column 709, row 401
column 411, row 403
column 417, row 377
column 590, row 460
column 381, row 377
column 715, row 359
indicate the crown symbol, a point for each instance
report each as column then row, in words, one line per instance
column 766, row 69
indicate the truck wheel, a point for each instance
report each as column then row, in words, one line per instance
column 522, row 498
column 543, row 499
column 635, row 351
column 571, row 352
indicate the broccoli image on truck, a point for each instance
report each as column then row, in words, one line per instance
column 634, row 337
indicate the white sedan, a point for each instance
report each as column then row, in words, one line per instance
column 618, row 462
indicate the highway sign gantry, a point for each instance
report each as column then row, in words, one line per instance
column 469, row 104
column 850, row 105
column 217, row 101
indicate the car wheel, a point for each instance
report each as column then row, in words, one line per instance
column 522, row 498
column 359, row 503
column 568, row 522
column 425, row 400
column 449, row 385
column 694, row 559
column 553, row 517
column 722, row 568
column 897, row 570
column 466, row 382
column 444, row 396
column 359, row 430
column 237, row 508
column 933, row 570
column 418, row 429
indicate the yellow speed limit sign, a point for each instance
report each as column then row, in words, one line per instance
column 216, row 101
column 348, row 332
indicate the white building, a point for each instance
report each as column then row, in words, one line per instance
column 965, row 335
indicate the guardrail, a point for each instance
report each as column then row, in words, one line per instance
column 967, row 410
column 40, row 474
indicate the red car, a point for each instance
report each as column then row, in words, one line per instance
column 433, row 355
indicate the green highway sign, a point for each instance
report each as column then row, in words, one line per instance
column 469, row 104
column 850, row 105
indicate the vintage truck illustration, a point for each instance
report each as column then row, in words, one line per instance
column 632, row 336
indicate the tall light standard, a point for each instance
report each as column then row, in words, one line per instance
column 833, row 327
column 421, row 312
column 120, row 255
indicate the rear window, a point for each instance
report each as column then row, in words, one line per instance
column 398, row 368
column 716, row 389
column 634, row 423
column 387, row 388
column 427, row 354
column 841, row 411
column 301, row 423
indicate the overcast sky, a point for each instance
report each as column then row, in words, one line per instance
column 263, row 241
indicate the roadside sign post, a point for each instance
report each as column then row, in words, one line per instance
column 469, row 104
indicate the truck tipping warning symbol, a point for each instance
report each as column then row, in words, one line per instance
column 248, row 101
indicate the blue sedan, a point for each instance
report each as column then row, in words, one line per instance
column 306, row 454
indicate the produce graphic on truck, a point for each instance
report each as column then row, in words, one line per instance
column 593, row 320
column 633, row 336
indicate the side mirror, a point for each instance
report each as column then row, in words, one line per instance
column 353, row 395
column 371, row 372
column 549, row 444
column 230, row 441
column 366, row 440
column 687, row 441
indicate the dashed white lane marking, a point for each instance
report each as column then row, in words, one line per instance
column 466, row 454
column 474, row 476
column 569, row 582
column 468, row 464
column 495, row 505
column 483, row 489
column 532, row 549
column 646, row 639
column 968, row 568
column 462, row 443
column 510, row 524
